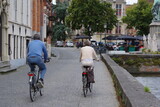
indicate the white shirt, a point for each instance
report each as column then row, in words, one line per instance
column 87, row 55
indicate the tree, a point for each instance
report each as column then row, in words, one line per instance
column 139, row 16
column 60, row 29
column 90, row 14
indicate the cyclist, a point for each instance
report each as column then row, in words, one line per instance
column 87, row 55
column 36, row 50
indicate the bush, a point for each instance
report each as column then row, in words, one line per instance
column 147, row 89
column 130, row 62
column 118, row 60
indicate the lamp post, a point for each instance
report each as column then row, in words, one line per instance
column 89, row 32
column 105, row 27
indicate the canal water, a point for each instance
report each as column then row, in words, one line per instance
column 153, row 83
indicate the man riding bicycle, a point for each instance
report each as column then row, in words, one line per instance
column 87, row 55
column 37, row 50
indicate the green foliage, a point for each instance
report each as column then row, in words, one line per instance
column 118, row 60
column 144, row 50
column 156, row 62
column 147, row 89
column 136, row 61
column 140, row 60
column 130, row 62
column 60, row 29
column 156, row 52
column 149, row 50
column 139, row 16
column 60, row 11
column 90, row 14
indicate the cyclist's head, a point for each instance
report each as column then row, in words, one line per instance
column 36, row 37
column 87, row 43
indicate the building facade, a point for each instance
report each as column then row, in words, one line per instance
column 4, row 4
column 19, row 21
column 19, row 31
column 120, row 7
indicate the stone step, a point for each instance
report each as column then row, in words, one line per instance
column 4, row 66
column 4, row 63
column 8, row 69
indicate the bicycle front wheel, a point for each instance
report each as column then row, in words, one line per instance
column 90, row 86
column 41, row 91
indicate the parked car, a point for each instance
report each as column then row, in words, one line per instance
column 69, row 44
column 59, row 44
column 109, row 45
column 121, row 43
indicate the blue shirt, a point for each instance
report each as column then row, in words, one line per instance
column 37, row 48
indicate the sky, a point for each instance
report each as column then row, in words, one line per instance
column 131, row 1
column 54, row 1
column 128, row 1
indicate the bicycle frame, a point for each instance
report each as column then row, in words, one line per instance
column 34, row 77
column 33, row 80
column 86, row 84
column 33, row 74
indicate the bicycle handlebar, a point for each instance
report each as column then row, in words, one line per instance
column 48, row 60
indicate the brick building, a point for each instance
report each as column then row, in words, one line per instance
column 42, row 9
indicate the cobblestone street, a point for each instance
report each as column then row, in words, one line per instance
column 63, row 85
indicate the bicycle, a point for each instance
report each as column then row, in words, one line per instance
column 34, row 77
column 86, row 84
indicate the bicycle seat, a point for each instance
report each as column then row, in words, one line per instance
column 86, row 66
column 33, row 64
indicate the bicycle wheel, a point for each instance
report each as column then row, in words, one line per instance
column 85, row 88
column 90, row 86
column 41, row 91
column 32, row 88
column 32, row 92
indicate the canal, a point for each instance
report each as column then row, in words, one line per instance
column 153, row 83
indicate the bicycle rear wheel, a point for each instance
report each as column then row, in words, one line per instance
column 32, row 92
column 32, row 88
column 85, row 88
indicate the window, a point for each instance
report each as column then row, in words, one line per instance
column 118, row 9
column 14, row 52
column 109, row 31
column 9, row 44
column 20, row 46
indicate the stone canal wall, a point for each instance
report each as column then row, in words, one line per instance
column 129, row 90
column 139, row 65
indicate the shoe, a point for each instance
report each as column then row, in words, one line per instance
column 41, row 80
column 40, row 83
column 93, row 81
